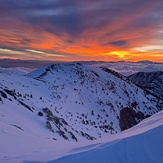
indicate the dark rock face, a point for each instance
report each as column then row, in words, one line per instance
column 3, row 94
column 129, row 118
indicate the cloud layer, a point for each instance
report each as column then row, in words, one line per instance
column 81, row 30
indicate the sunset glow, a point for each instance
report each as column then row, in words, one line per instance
column 87, row 30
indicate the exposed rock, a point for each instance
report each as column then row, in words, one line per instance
column 129, row 118
column 40, row 114
column 3, row 94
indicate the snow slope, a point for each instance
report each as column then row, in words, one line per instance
column 45, row 113
column 142, row 143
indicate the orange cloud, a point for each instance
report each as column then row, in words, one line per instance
column 91, row 44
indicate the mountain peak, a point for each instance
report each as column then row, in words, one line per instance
column 74, row 101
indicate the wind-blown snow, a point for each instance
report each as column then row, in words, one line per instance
column 146, row 147
column 142, row 143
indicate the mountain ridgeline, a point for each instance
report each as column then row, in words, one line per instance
column 72, row 101
column 151, row 81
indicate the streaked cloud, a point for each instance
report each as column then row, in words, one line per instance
column 150, row 48
column 34, row 51
column 82, row 30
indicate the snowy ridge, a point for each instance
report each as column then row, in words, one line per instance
column 151, row 81
column 73, row 102
column 62, row 104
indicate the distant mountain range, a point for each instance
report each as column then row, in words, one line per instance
column 151, row 81
column 124, row 68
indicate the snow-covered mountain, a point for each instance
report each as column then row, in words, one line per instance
column 73, row 102
column 58, row 105
column 151, row 81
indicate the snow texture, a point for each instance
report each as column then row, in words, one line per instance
column 54, row 113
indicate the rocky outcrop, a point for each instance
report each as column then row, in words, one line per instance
column 129, row 117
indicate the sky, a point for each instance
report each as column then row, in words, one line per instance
column 71, row 30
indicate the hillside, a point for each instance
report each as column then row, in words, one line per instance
column 73, row 102
column 142, row 143
column 151, row 81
